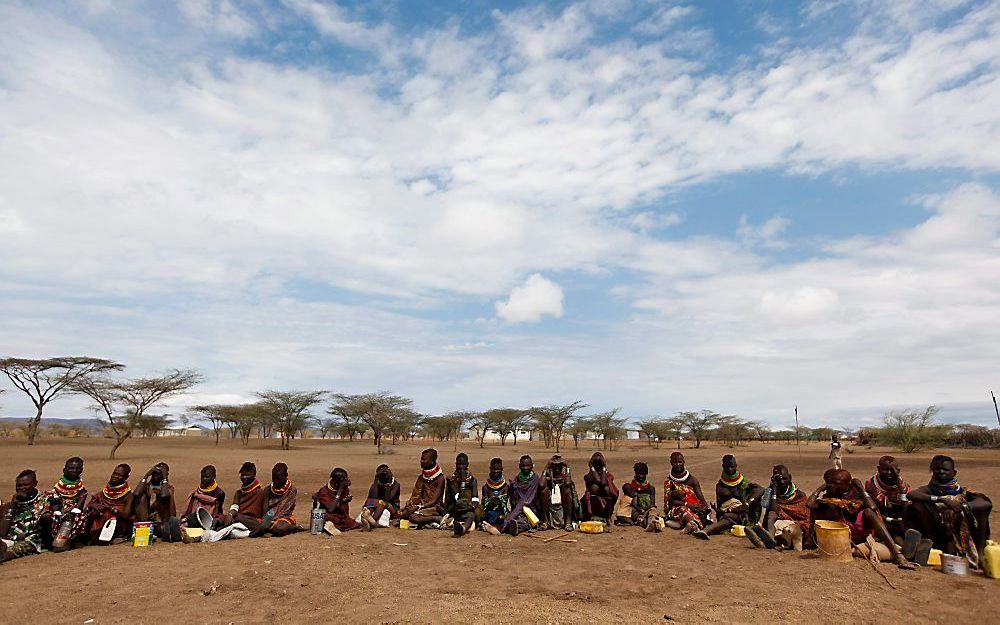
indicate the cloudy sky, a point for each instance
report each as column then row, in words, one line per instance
column 658, row 206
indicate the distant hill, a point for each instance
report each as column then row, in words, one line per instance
column 76, row 422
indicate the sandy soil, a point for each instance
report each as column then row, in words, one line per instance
column 397, row 576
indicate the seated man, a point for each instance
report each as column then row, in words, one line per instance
column 496, row 499
column 525, row 494
column 382, row 504
column 461, row 496
column 642, row 510
column 114, row 502
column 154, row 501
column 737, row 500
column 426, row 503
column 787, row 520
column 25, row 521
column 248, row 503
column 208, row 496
column 334, row 498
column 69, row 522
column 956, row 519
column 279, row 505
column 685, row 505
column 560, row 504
column 843, row 498
column 601, row 494
column 890, row 491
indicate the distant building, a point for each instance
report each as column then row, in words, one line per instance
column 190, row 430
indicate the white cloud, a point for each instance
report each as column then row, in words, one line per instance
column 766, row 234
column 529, row 302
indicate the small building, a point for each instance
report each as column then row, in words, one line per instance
column 189, row 430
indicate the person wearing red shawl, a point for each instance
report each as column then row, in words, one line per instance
column 155, row 502
column 426, row 503
column 787, row 519
column 685, row 505
column 207, row 496
column 248, row 503
column 334, row 499
column 524, row 492
column 889, row 491
column 601, row 494
column 279, row 505
column 955, row 518
column 69, row 522
column 113, row 502
column 843, row 498
column 382, row 504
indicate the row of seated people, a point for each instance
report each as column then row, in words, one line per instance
column 906, row 522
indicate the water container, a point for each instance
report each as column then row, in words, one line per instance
column 991, row 560
column 316, row 523
column 954, row 565
column 833, row 540
column 530, row 515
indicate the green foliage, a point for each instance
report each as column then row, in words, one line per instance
column 911, row 430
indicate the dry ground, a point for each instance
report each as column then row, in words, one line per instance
column 396, row 576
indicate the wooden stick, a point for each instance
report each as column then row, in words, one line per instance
column 563, row 535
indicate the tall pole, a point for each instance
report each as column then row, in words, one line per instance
column 798, row 446
column 995, row 406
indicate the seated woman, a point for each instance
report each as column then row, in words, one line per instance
column 207, row 496
column 382, row 504
column 495, row 499
column 600, row 493
column 334, row 498
column 642, row 508
column 114, row 502
column 890, row 491
column 843, row 498
column 685, row 504
column 787, row 520
column 737, row 500
column 956, row 519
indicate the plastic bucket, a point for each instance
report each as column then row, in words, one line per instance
column 739, row 530
column 592, row 527
column 991, row 560
column 833, row 541
column 954, row 565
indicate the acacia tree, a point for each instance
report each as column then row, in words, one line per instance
column 608, row 426
column 43, row 380
column 219, row 415
column 551, row 421
column 505, row 421
column 479, row 425
column 125, row 402
column 289, row 411
column 377, row 410
column 578, row 429
column 698, row 424
column 910, row 430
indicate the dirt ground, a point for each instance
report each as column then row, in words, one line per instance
column 398, row 576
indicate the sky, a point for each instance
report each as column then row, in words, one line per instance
column 658, row 206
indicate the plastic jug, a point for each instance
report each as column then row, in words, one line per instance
column 991, row 560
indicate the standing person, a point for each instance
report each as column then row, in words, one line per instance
column 685, row 504
column 248, row 503
column 737, row 500
column 207, row 496
column 114, row 502
column 279, row 505
column 382, row 504
column 496, row 499
column 843, row 498
column 461, row 496
column 154, row 501
column 642, row 510
column 69, row 522
column 890, row 490
column 955, row 518
column 25, row 521
column 560, row 504
column 524, row 494
column 601, row 494
column 425, row 507
column 334, row 499
column 835, row 451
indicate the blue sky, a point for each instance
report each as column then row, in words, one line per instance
column 657, row 206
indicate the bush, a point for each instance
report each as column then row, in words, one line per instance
column 912, row 430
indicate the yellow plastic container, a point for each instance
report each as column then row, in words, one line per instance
column 592, row 527
column 142, row 532
column 935, row 558
column 530, row 515
column 739, row 530
column 833, row 541
column 991, row 560
column 405, row 525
